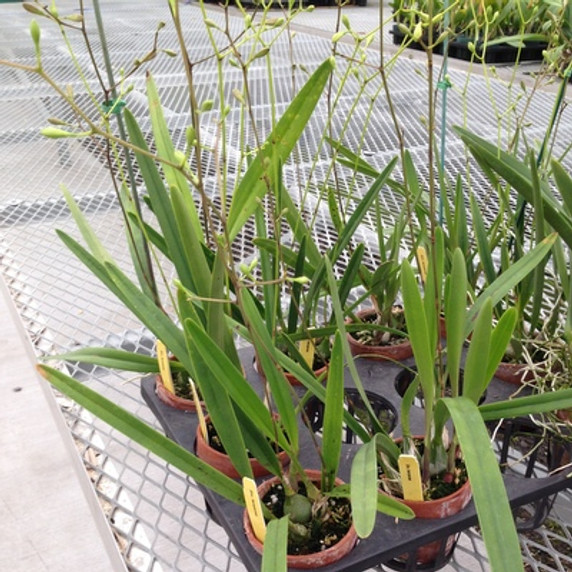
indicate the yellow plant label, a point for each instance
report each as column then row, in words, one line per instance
column 307, row 349
column 423, row 262
column 410, row 477
column 165, row 366
column 200, row 414
column 254, row 508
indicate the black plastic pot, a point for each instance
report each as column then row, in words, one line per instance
column 383, row 409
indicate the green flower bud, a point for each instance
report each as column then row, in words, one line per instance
column 238, row 95
column 33, row 9
column 338, row 36
column 54, row 133
column 74, row 18
column 36, row 34
column 56, row 121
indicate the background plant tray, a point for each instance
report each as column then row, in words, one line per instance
column 496, row 54
column 389, row 539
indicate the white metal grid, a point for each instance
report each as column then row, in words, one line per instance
column 157, row 513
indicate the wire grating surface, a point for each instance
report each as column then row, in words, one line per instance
column 158, row 514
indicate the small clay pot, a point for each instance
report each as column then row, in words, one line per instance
column 394, row 352
column 306, row 561
column 221, row 461
column 172, row 400
column 292, row 380
column 437, row 508
column 514, row 373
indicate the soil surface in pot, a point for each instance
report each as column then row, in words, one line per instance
column 321, row 534
column 379, row 337
column 440, row 485
column 182, row 385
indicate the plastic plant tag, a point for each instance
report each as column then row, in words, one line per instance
column 165, row 367
column 410, row 477
column 254, row 508
column 307, row 349
column 423, row 262
column 200, row 414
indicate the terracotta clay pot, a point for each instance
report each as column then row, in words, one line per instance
column 221, row 461
column 513, row 373
column 306, row 561
column 394, row 352
column 292, row 380
column 168, row 398
column 438, row 508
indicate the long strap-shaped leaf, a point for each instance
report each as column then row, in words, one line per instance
column 364, row 488
column 275, row 546
column 259, row 177
column 114, row 359
column 160, row 202
column 519, row 177
column 333, row 416
column 144, row 435
column 489, row 493
column 166, row 150
column 233, row 382
column 419, row 336
column 510, row 278
column 529, row 405
column 142, row 306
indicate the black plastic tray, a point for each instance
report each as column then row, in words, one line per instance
column 496, row 54
column 389, row 539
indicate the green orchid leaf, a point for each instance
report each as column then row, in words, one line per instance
column 127, row 292
column 114, row 359
column 93, row 243
column 364, row 477
column 160, row 200
column 510, row 278
column 350, row 159
column 455, row 310
column 275, row 546
column 268, row 357
column 232, row 379
column 333, row 416
column 519, row 177
column 500, row 339
column 419, row 335
column 529, row 405
column 475, row 376
column 393, row 507
column 563, row 181
column 489, row 494
column 260, row 176
column 174, row 177
column 146, row 436
column 482, row 237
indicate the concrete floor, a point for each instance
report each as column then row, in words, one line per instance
column 50, row 519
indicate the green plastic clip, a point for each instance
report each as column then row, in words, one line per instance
column 113, row 106
column 444, row 84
